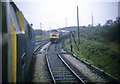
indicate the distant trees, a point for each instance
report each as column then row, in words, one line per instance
column 38, row 32
column 112, row 30
column 118, row 20
column 109, row 23
column 89, row 25
column 99, row 25
column 109, row 32
column 112, row 23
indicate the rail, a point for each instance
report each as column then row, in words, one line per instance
column 99, row 71
column 61, row 73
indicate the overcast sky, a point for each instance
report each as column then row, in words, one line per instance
column 53, row 13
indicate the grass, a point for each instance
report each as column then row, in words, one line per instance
column 41, row 37
column 105, row 57
column 38, row 37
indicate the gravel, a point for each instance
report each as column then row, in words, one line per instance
column 93, row 77
column 41, row 73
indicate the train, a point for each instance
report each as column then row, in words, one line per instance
column 55, row 36
column 18, row 40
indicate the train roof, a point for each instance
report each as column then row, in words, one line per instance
column 54, row 30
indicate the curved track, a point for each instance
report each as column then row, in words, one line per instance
column 59, row 70
column 29, row 76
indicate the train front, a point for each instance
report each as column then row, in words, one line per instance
column 54, row 36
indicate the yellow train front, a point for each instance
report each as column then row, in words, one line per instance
column 54, row 36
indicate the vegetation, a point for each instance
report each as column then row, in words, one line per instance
column 102, row 34
column 100, row 47
column 41, row 36
column 38, row 37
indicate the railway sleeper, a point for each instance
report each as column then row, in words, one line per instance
column 66, row 79
column 60, row 70
column 54, row 71
column 68, row 82
column 63, row 76
column 61, row 73
column 59, row 64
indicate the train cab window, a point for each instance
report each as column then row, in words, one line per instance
column 29, row 32
column 54, row 35
column 15, row 20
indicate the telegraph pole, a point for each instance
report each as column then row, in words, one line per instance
column 71, row 42
column 66, row 22
column 92, row 18
column 40, row 26
column 119, row 9
column 78, row 26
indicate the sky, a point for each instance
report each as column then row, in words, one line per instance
column 55, row 14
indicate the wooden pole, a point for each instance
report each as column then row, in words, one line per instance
column 75, row 42
column 40, row 26
column 71, row 41
column 78, row 25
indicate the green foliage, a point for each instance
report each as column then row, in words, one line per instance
column 42, row 37
column 38, row 37
column 112, row 34
column 99, row 54
column 100, row 46
column 105, row 33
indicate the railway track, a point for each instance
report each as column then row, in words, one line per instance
column 38, row 45
column 59, row 69
column 29, row 76
column 107, row 77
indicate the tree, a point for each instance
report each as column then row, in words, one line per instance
column 109, row 23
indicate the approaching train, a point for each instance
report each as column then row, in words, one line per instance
column 17, row 43
column 54, row 36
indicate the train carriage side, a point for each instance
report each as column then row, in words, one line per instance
column 29, row 35
column 17, row 38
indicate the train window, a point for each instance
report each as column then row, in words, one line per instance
column 54, row 35
column 29, row 32
column 15, row 20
